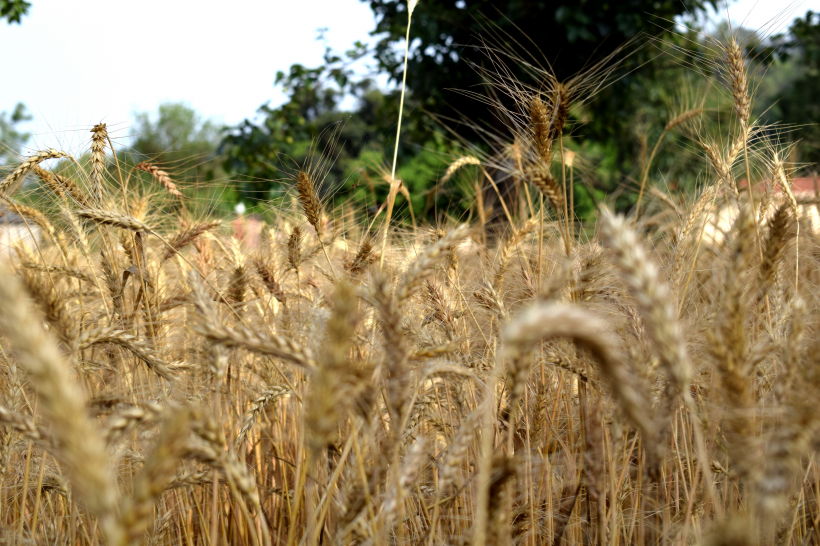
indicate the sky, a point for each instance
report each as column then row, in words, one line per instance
column 76, row 63
column 772, row 15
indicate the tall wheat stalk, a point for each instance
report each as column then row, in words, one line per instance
column 391, row 199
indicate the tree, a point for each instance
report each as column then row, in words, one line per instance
column 447, row 54
column 177, row 138
column 11, row 137
column 446, row 48
column 264, row 151
column 798, row 65
column 268, row 150
column 13, row 10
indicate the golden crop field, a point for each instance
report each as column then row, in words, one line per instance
column 640, row 379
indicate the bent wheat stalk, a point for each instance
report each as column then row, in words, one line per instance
column 542, row 322
column 82, row 449
column 28, row 165
column 674, row 122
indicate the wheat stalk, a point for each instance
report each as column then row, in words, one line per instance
column 680, row 119
column 411, row 6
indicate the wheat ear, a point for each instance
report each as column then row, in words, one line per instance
column 456, row 165
column 82, row 449
column 295, row 248
column 26, row 427
column 61, row 185
column 136, row 346
column 34, row 215
column 160, row 176
column 258, row 406
column 50, row 180
column 697, row 213
column 364, row 257
column 731, row 347
column 54, row 308
column 312, row 207
column 60, row 270
column 269, row 280
column 99, row 134
column 309, row 201
column 211, row 327
column 505, row 253
column 423, row 266
column 157, row 474
column 655, row 302
column 540, row 127
column 722, row 166
column 105, row 217
column 779, row 232
column 187, row 236
column 324, row 400
column 540, row 177
column 739, row 85
column 30, row 162
column 398, row 373
column 736, row 70
column 130, row 417
column 779, row 177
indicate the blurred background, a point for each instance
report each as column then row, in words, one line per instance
column 230, row 97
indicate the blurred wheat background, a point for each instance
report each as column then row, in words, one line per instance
column 523, row 338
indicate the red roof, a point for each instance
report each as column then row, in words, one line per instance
column 799, row 185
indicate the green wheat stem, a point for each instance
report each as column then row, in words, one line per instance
column 392, row 194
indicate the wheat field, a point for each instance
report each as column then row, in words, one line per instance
column 636, row 380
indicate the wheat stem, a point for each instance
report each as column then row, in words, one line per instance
column 392, row 196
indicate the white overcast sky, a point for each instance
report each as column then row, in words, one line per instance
column 77, row 62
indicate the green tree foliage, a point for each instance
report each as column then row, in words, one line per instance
column 178, row 139
column 13, row 10
column 445, row 55
column 12, row 139
column 177, row 128
column 265, row 151
column 566, row 35
column 798, row 69
column 180, row 142
column 268, row 150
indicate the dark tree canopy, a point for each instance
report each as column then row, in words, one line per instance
column 799, row 102
column 446, row 59
column 568, row 35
